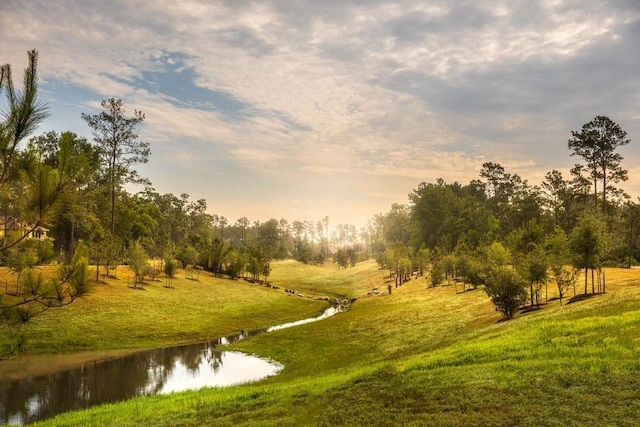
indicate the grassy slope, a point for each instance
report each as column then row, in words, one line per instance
column 114, row 315
column 425, row 357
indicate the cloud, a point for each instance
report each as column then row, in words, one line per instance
column 370, row 95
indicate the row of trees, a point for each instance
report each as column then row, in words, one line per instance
column 509, row 235
column 162, row 225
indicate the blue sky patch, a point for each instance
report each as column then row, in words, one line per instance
column 177, row 81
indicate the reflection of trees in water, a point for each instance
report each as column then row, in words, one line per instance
column 192, row 356
column 230, row 339
column 37, row 398
column 214, row 358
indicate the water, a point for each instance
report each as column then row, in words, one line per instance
column 157, row 371
column 244, row 335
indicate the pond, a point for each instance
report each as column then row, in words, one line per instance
column 157, row 371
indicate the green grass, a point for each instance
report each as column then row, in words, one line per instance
column 114, row 315
column 327, row 279
column 422, row 356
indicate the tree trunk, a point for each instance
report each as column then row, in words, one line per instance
column 586, row 272
column 595, row 190
column 546, row 293
column 604, row 189
column 630, row 240
column 531, row 293
column 72, row 238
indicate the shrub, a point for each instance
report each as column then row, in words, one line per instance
column 506, row 290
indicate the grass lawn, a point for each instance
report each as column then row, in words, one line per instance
column 421, row 356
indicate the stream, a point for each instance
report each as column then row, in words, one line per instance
column 157, row 371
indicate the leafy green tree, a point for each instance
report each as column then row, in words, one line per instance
column 218, row 253
column 396, row 224
column 497, row 256
column 342, row 258
column 506, row 289
column 558, row 257
column 536, row 269
column 434, row 212
column 588, row 244
column 116, row 137
column 74, row 216
column 631, row 222
column 20, row 258
column 398, row 260
column 29, row 188
column 170, row 269
column 421, row 259
column 512, row 200
column 437, row 274
column 235, row 263
column 405, row 266
column 138, row 219
column 597, row 143
column 555, row 189
column 257, row 263
column 299, row 238
column 188, row 256
column 171, row 228
column 527, row 243
column 138, row 260
column 268, row 238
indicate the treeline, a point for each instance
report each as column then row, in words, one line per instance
column 515, row 237
column 116, row 226
column 166, row 226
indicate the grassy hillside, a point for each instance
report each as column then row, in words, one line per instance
column 424, row 357
column 114, row 315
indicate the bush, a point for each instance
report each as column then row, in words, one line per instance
column 506, row 290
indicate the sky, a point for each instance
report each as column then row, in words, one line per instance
column 301, row 109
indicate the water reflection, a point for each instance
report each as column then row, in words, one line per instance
column 161, row 370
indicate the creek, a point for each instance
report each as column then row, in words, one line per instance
column 157, row 371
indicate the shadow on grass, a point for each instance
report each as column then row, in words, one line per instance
column 581, row 297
